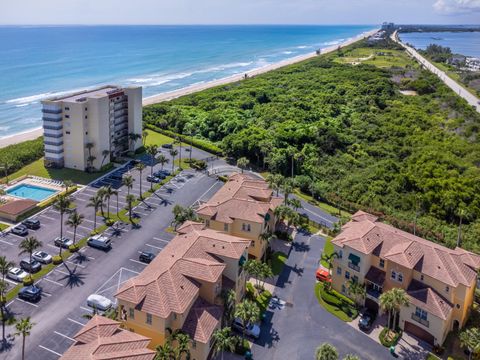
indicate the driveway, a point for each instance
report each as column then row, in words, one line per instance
column 295, row 331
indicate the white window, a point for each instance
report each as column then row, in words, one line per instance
column 347, row 275
column 340, row 254
column 422, row 314
column 225, row 227
column 207, row 222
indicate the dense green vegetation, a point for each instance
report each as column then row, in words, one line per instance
column 354, row 140
column 13, row 157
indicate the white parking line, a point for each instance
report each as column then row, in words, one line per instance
column 65, row 336
column 158, row 239
column 11, row 282
column 62, row 272
column 47, row 217
column 46, row 293
column 206, row 192
column 53, row 352
column 53, row 282
column 88, row 220
column 86, row 309
column 138, row 262
column 155, row 247
column 76, row 322
column 5, row 242
column 80, row 266
column 52, row 246
column 26, row 302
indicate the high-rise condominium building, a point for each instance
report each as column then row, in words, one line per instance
column 86, row 129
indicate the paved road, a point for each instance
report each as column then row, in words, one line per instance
column 452, row 84
column 59, row 314
column 295, row 331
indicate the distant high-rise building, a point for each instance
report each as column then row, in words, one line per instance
column 388, row 26
column 86, row 129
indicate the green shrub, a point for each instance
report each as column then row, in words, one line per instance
column 73, row 248
column 389, row 342
column 57, row 259
column 223, row 178
column 28, row 280
column 18, row 155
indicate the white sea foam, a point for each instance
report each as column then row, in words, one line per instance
column 304, row 46
column 4, row 128
column 334, row 42
column 27, row 100
column 287, row 52
column 23, row 105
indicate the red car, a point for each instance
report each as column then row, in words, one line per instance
column 323, row 275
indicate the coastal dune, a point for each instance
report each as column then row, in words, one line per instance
column 33, row 134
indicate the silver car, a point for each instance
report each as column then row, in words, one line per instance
column 42, row 257
column 17, row 274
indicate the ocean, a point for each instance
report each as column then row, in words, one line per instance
column 37, row 62
column 465, row 43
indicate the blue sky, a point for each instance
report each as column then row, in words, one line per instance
column 239, row 11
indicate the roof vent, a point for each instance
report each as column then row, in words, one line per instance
column 181, row 287
column 213, row 245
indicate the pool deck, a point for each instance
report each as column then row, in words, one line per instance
column 33, row 181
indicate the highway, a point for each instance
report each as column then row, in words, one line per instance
column 452, row 84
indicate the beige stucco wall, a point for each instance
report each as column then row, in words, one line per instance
column 74, row 138
column 135, row 112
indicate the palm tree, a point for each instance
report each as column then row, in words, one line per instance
column 164, row 352
column 132, row 137
column 295, row 204
column 75, row 220
column 224, row 341
column 29, row 245
column 266, row 236
column 5, row 266
column 400, row 298
column 356, row 290
column 248, row 312
column 275, row 181
column 173, row 153
column 287, row 189
column 101, row 195
column 328, row 258
column 68, row 184
column 140, row 167
column 387, row 306
column 3, row 311
column 95, row 202
column 128, row 182
column 162, row 160
column 229, row 299
column 242, row 163
column 24, row 327
column 105, row 153
column 326, row 352
column 62, row 204
column 130, row 199
column 144, row 137
column 179, row 142
column 183, row 344
column 107, row 194
column 89, row 146
column 470, row 338
column 152, row 150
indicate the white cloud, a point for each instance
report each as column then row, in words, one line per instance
column 456, row 6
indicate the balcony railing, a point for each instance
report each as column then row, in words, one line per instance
column 50, row 127
column 418, row 319
column 48, row 111
column 373, row 292
column 354, row 267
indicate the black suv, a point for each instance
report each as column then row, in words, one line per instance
column 31, row 224
column 30, row 293
column 146, row 257
column 31, row 267
column 167, row 146
column 366, row 320
column 20, row 230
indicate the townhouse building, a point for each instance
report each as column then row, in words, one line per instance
column 440, row 282
column 80, row 128
column 181, row 288
column 243, row 207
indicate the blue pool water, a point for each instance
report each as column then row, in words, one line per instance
column 37, row 62
column 32, row 192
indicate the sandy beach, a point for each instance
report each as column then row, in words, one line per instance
column 33, row 134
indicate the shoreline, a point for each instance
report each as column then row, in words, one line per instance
column 166, row 96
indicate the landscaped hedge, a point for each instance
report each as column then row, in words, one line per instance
column 201, row 144
column 386, row 342
column 18, row 155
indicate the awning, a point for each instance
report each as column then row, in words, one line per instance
column 376, row 276
column 354, row 259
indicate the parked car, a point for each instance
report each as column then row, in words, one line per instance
column 167, row 146
column 252, row 330
column 99, row 302
column 323, row 275
column 31, row 224
column 63, row 242
column 30, row 293
column 146, row 257
column 160, row 174
column 153, row 179
column 366, row 320
column 30, row 266
column 20, row 230
column 42, row 257
column 100, row 242
column 16, row 274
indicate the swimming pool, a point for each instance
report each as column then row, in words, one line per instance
column 32, row 192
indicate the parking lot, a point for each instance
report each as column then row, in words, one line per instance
column 60, row 312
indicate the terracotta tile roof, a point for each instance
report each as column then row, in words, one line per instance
column 428, row 299
column 367, row 235
column 242, row 197
column 202, row 320
column 103, row 339
column 189, row 226
column 17, row 207
column 170, row 282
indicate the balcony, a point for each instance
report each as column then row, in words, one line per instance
column 53, row 143
column 57, row 118
column 51, row 151
column 354, row 266
column 418, row 319
column 52, row 111
column 373, row 293
column 54, row 135
column 52, row 127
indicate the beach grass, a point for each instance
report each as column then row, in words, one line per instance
column 37, row 168
column 382, row 58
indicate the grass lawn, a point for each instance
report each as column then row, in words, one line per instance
column 277, row 262
column 37, row 168
column 154, row 138
column 383, row 58
column 327, row 249
column 3, row 226
column 337, row 310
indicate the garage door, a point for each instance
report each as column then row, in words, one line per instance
column 419, row 332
